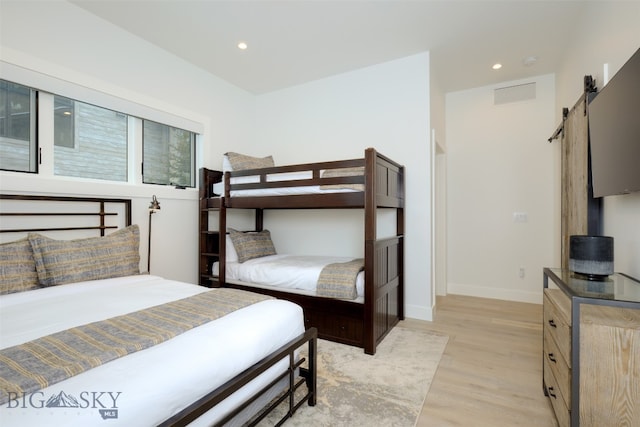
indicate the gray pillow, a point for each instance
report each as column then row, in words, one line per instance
column 17, row 267
column 68, row 261
column 332, row 173
column 252, row 244
column 240, row 162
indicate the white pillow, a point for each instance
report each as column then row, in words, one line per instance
column 226, row 164
column 232, row 255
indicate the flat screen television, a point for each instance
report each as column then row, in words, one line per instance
column 614, row 130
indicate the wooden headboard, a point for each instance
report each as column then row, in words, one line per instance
column 75, row 216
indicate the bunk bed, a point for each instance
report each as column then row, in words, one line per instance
column 379, row 184
column 196, row 362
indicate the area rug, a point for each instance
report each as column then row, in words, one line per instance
column 386, row 389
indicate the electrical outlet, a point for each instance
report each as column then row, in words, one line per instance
column 520, row 217
column 521, row 272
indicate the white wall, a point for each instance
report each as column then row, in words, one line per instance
column 438, row 188
column 486, row 248
column 384, row 106
column 72, row 45
column 499, row 162
column 609, row 34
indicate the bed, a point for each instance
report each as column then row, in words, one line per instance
column 200, row 356
column 371, row 183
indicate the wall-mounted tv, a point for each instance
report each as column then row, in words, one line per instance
column 614, row 130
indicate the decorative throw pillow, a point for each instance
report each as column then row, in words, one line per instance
column 17, row 267
column 68, row 261
column 242, row 162
column 252, row 244
column 231, row 254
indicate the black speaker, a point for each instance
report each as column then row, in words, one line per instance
column 591, row 256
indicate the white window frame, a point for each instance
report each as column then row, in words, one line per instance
column 47, row 85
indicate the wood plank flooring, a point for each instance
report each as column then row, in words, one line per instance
column 491, row 371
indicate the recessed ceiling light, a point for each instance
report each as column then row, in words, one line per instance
column 497, row 66
column 242, row 46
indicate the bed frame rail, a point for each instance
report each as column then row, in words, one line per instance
column 385, row 174
column 314, row 168
column 60, row 213
column 308, row 374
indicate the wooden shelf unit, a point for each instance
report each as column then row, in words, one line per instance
column 208, row 239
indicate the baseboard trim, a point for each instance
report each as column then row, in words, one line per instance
column 495, row 293
column 418, row 312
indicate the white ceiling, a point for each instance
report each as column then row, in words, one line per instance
column 297, row 41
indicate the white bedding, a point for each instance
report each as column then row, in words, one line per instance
column 154, row 383
column 295, row 273
column 218, row 188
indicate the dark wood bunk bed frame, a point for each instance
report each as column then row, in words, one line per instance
column 69, row 207
column 359, row 324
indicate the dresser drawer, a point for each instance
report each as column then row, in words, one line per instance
column 560, row 408
column 559, row 366
column 557, row 321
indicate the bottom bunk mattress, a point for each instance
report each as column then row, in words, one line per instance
column 290, row 273
column 148, row 386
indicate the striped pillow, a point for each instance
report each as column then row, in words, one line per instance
column 17, row 267
column 332, row 173
column 252, row 244
column 68, row 261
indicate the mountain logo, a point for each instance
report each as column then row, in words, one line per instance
column 62, row 400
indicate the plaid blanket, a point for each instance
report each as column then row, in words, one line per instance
column 37, row 364
column 333, row 173
column 338, row 280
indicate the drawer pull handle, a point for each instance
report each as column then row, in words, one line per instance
column 552, row 357
column 552, row 323
column 550, row 390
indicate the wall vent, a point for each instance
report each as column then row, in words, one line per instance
column 505, row 95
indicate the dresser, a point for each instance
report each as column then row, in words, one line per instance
column 591, row 349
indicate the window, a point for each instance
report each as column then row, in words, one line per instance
column 89, row 134
column 63, row 122
column 168, row 155
column 89, row 141
column 18, row 147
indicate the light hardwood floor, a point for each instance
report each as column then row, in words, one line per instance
column 491, row 370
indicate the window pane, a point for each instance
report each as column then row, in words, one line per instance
column 89, row 141
column 169, row 155
column 17, row 127
column 63, row 119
